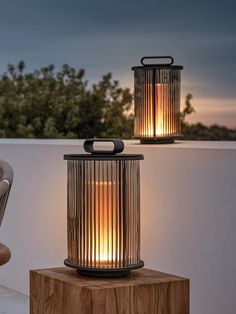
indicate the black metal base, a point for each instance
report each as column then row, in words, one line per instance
column 164, row 140
column 104, row 272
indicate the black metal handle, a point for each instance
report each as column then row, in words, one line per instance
column 118, row 146
column 157, row 57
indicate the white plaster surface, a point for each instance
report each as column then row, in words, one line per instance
column 188, row 211
column 12, row 302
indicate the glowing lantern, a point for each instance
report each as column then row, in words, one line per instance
column 157, row 101
column 103, row 211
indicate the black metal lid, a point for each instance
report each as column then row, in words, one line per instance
column 95, row 154
column 149, row 66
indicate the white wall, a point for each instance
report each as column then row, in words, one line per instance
column 188, row 214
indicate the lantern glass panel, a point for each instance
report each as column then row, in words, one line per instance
column 157, row 101
column 103, row 211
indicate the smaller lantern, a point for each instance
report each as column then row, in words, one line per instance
column 157, row 101
column 103, row 211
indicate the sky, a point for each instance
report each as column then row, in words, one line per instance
column 111, row 36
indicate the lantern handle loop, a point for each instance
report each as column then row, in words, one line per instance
column 157, row 57
column 89, row 146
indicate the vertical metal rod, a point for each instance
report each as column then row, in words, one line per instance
column 154, row 102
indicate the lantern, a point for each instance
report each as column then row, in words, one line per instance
column 103, row 210
column 157, row 101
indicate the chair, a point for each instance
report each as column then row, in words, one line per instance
column 6, row 178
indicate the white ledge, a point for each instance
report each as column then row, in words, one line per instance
column 129, row 143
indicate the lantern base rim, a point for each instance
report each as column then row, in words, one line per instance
column 160, row 140
column 104, row 272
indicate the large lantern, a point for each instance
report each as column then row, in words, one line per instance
column 103, row 194
column 157, row 101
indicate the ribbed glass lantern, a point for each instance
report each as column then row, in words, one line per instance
column 103, row 211
column 157, row 101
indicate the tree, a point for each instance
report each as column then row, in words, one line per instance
column 59, row 104
column 200, row 131
column 50, row 104
column 188, row 108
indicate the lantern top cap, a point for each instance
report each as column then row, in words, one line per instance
column 149, row 66
column 103, row 154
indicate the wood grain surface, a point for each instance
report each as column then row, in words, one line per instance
column 5, row 254
column 144, row 291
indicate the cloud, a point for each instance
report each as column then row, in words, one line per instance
column 112, row 36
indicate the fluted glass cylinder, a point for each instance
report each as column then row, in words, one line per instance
column 103, row 212
column 157, row 102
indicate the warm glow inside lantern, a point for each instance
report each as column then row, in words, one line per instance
column 157, row 101
column 103, row 211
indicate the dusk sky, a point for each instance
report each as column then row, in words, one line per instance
column 107, row 36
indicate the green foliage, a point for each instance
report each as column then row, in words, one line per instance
column 58, row 104
column 50, row 104
column 202, row 132
column 188, row 109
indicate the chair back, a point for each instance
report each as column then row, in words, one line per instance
column 6, row 178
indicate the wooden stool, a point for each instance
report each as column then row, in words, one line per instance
column 144, row 291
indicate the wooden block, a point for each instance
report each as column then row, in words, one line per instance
column 144, row 291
